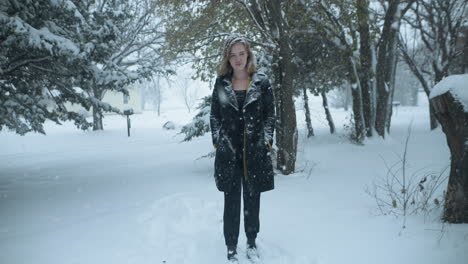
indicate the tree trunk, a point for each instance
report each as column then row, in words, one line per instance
column 327, row 112
column 392, row 93
column 97, row 112
column 310, row 129
column 357, row 101
column 97, row 119
column 278, row 106
column 287, row 151
column 158, row 94
column 365, row 73
column 454, row 122
column 385, row 65
column 287, row 126
column 348, row 96
column 438, row 76
column 432, row 117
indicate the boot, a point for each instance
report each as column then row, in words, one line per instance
column 232, row 254
column 252, row 252
column 251, row 243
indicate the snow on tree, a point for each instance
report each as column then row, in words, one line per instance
column 200, row 123
column 449, row 99
column 438, row 26
column 123, row 39
column 38, row 52
column 56, row 52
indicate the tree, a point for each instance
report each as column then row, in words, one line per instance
column 310, row 129
column 367, row 71
column 200, row 123
column 38, row 53
column 386, row 65
column 151, row 93
column 199, row 28
column 123, row 39
column 450, row 110
column 334, row 23
column 438, row 24
column 70, row 51
column 318, row 69
column 188, row 93
column 273, row 19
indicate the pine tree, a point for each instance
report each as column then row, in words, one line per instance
column 71, row 51
column 122, row 40
column 201, row 121
column 37, row 54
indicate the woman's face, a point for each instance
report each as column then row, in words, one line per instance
column 238, row 57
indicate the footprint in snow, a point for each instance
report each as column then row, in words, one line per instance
column 187, row 228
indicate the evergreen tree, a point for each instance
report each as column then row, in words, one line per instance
column 70, row 51
column 200, row 123
column 38, row 52
column 122, row 40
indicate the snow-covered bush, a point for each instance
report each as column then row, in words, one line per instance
column 200, row 123
column 169, row 125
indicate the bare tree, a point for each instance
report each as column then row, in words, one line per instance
column 386, row 62
column 189, row 93
column 158, row 95
column 438, row 24
column 151, row 93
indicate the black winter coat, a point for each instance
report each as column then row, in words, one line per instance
column 258, row 113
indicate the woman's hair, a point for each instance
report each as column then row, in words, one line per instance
column 225, row 67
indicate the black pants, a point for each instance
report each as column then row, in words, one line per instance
column 232, row 205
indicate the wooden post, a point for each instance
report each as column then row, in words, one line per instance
column 128, row 125
column 128, row 112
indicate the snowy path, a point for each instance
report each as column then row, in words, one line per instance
column 82, row 199
column 75, row 197
column 92, row 203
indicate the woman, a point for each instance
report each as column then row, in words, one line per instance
column 242, row 121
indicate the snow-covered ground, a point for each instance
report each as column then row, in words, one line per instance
column 101, row 197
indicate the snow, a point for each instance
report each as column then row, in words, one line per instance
column 456, row 85
column 127, row 107
column 103, row 197
column 42, row 37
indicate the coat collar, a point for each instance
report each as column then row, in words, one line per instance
column 253, row 91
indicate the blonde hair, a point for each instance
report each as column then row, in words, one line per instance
column 225, row 67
